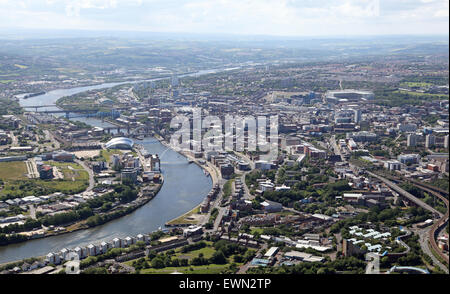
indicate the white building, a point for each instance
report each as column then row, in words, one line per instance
column 411, row 140
column 430, row 140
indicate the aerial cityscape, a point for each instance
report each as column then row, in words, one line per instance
column 208, row 147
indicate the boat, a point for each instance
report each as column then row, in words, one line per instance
column 190, row 161
column 33, row 95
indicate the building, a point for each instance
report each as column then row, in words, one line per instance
column 91, row 250
column 226, row 170
column 129, row 174
column 192, row 230
column 348, row 95
column 392, row 165
column 358, row 115
column 407, row 127
column 53, row 258
column 46, row 172
column 63, row 156
column 430, row 141
column 408, row 158
column 271, row 206
column 271, row 252
column 411, row 140
column 263, row 165
column 120, row 143
column 117, row 243
column 362, row 136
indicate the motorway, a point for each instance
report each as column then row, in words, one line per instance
column 407, row 195
column 427, row 234
column 424, row 244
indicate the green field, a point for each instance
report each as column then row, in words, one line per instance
column 17, row 184
column 76, row 171
column 21, row 66
column 207, row 253
column 436, row 96
column 256, row 230
column 201, row 269
column 416, row 84
column 14, row 170
column 183, row 219
column 106, row 154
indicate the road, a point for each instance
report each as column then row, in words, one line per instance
column 429, row 236
column 90, row 172
column 337, row 151
column 32, row 211
column 373, row 263
column 49, row 136
column 407, row 195
column 424, row 244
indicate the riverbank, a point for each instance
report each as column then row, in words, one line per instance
column 110, row 216
column 210, row 170
column 81, row 225
column 193, row 216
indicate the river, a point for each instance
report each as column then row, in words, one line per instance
column 185, row 186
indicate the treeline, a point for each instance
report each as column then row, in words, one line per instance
column 12, row 238
column 304, row 190
column 393, row 98
column 351, row 265
column 223, row 251
column 388, row 216
column 67, row 217
column 100, row 219
column 29, row 224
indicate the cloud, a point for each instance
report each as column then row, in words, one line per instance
column 276, row 17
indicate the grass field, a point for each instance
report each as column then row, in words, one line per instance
column 416, row 84
column 21, row 66
column 14, row 170
column 256, row 230
column 17, row 184
column 76, row 171
column 106, row 154
column 201, row 269
column 435, row 96
column 184, row 218
column 207, row 253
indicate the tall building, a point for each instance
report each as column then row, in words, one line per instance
column 446, row 141
column 357, row 116
column 430, row 140
column 411, row 140
column 174, row 81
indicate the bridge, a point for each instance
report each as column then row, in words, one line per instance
column 64, row 109
column 406, row 194
column 437, row 193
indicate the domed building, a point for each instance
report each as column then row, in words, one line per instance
column 120, row 143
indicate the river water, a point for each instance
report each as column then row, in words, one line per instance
column 185, row 186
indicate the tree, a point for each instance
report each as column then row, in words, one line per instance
column 157, row 262
column 218, row 258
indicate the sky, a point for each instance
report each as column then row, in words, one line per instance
column 241, row 17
